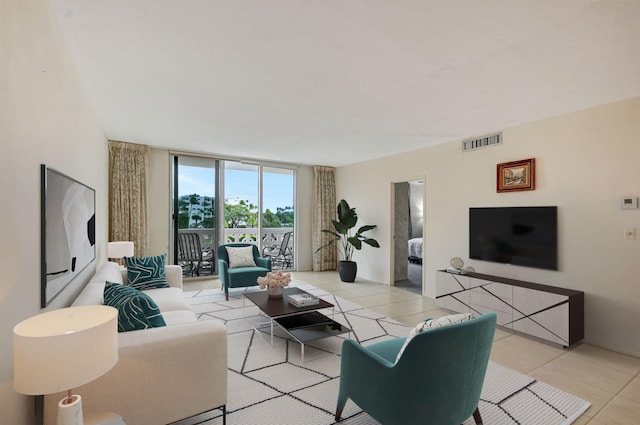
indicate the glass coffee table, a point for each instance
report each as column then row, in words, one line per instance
column 303, row 324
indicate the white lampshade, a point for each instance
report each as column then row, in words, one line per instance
column 63, row 349
column 120, row 249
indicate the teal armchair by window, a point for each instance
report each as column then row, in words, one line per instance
column 437, row 380
column 237, row 277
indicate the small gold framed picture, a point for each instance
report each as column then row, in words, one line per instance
column 517, row 175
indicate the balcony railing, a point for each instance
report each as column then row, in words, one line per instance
column 272, row 237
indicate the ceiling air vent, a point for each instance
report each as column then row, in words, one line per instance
column 481, row 142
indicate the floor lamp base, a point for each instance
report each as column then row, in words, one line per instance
column 70, row 411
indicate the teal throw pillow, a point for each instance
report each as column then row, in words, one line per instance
column 146, row 272
column 136, row 310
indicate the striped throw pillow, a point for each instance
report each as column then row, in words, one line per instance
column 146, row 272
column 136, row 310
column 432, row 324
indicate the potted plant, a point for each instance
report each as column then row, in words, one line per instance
column 347, row 240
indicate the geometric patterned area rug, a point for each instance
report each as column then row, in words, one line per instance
column 268, row 384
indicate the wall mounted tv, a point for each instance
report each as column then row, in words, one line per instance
column 522, row 236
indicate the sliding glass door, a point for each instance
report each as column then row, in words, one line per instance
column 278, row 216
column 219, row 201
column 241, row 200
column 195, row 191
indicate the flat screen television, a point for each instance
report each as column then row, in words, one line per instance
column 522, row 236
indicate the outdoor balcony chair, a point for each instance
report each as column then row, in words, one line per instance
column 281, row 255
column 194, row 260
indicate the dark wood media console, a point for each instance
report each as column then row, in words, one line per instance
column 547, row 312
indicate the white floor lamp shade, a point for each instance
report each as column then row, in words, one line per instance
column 63, row 349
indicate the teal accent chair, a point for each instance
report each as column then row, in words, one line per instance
column 241, row 276
column 437, row 380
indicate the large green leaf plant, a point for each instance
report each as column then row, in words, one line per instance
column 343, row 234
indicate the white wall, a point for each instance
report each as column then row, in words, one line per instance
column 44, row 118
column 585, row 161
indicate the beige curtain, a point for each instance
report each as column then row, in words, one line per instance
column 324, row 210
column 128, row 173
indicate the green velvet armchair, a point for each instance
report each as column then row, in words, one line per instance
column 241, row 276
column 437, row 380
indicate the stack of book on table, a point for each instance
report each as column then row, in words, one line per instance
column 302, row 300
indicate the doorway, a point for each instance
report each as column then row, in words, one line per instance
column 408, row 250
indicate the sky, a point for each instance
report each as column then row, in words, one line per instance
column 278, row 188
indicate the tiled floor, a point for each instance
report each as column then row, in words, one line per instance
column 609, row 380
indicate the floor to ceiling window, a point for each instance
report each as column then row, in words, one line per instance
column 195, row 190
column 241, row 199
column 278, row 216
column 218, row 201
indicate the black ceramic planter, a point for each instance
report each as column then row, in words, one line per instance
column 347, row 270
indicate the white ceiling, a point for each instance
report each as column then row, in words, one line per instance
column 336, row 82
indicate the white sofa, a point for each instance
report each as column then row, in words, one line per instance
column 163, row 374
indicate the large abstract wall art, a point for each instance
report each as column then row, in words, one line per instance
column 68, row 231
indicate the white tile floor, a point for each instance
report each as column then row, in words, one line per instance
column 609, row 380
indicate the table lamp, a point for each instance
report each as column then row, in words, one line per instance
column 120, row 249
column 63, row 349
